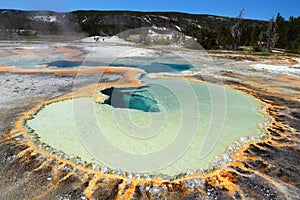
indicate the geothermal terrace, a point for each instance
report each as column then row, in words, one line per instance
column 115, row 120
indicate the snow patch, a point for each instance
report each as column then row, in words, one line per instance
column 217, row 18
column 152, row 33
column 178, row 28
column 45, row 18
column 164, row 17
column 84, row 20
column 147, row 20
column 159, row 28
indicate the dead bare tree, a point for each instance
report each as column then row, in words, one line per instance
column 272, row 35
column 236, row 30
column 178, row 38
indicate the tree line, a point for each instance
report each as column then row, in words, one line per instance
column 276, row 33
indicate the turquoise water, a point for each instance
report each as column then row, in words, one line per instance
column 191, row 124
column 151, row 67
column 131, row 98
column 57, row 61
column 29, row 61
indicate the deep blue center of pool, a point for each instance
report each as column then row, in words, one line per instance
column 131, row 98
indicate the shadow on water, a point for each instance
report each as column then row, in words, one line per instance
column 154, row 67
column 131, row 98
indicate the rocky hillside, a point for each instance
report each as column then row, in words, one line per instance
column 107, row 22
column 210, row 31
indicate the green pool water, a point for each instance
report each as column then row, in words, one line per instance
column 195, row 123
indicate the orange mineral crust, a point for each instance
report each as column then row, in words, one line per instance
column 256, row 170
column 70, row 53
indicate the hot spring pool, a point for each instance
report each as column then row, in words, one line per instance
column 181, row 129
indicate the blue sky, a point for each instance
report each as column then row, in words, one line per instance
column 255, row 9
